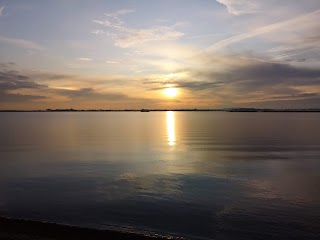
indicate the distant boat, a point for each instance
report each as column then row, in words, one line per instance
column 144, row 110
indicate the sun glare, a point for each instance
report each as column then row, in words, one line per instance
column 170, row 92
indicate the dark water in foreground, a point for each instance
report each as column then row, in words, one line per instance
column 206, row 175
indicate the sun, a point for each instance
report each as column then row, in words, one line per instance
column 170, row 92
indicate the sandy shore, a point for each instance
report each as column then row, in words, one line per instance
column 15, row 229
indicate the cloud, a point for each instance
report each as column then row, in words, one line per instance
column 120, row 12
column 296, row 24
column 233, row 80
column 11, row 80
column 253, row 75
column 85, row 59
column 90, row 93
column 229, row 81
column 113, row 62
column 98, row 32
column 21, row 43
column 2, row 10
column 299, row 50
column 17, row 97
column 126, row 37
column 139, row 36
column 238, row 7
column 286, row 103
column 17, row 86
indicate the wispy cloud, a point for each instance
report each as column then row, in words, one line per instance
column 120, row 12
column 309, row 17
column 98, row 31
column 298, row 50
column 205, row 36
column 2, row 10
column 85, row 59
column 113, row 61
column 21, row 43
column 238, row 7
column 125, row 36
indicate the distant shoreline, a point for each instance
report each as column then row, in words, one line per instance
column 175, row 110
column 28, row 229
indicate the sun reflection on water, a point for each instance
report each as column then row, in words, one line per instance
column 171, row 129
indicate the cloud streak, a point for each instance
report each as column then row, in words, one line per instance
column 21, row 43
column 119, row 13
column 113, row 62
column 239, row 7
column 2, row 10
column 125, row 36
column 84, row 59
column 90, row 94
column 309, row 17
column 17, row 97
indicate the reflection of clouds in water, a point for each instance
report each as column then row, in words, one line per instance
column 261, row 188
column 294, row 181
column 269, row 204
column 231, row 205
column 156, row 186
column 300, row 189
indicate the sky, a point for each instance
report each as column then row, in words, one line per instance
column 160, row 54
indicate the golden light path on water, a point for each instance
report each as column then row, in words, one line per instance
column 171, row 128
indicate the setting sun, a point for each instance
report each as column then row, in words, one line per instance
column 170, row 92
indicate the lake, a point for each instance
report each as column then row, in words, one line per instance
column 199, row 175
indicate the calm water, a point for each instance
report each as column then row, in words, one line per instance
column 206, row 175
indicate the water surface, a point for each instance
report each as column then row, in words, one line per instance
column 201, row 175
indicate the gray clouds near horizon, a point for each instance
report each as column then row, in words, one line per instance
column 242, row 82
column 245, row 81
column 17, row 87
